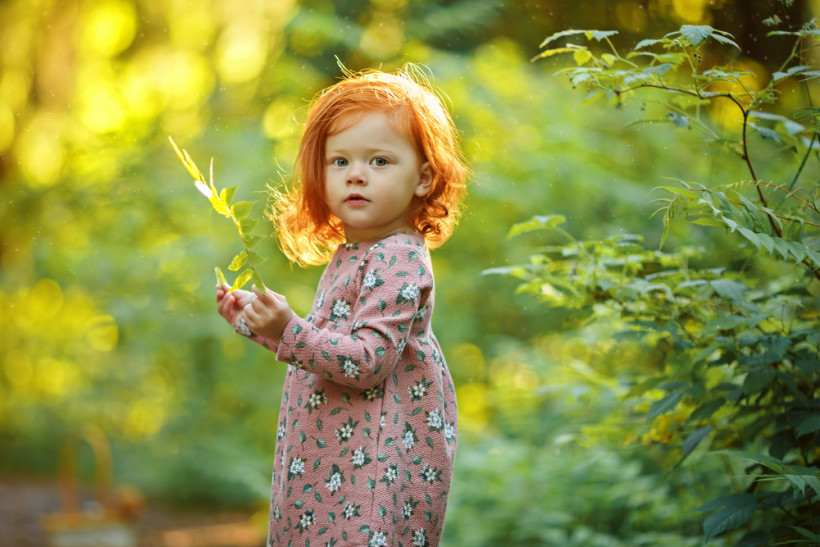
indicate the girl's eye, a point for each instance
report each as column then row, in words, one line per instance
column 379, row 162
column 339, row 162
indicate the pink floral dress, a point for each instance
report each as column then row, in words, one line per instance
column 367, row 426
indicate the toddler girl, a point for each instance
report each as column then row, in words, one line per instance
column 367, row 425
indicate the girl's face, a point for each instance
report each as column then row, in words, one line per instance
column 372, row 172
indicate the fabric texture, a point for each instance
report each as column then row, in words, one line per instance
column 367, row 427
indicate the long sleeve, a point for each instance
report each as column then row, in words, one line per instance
column 361, row 323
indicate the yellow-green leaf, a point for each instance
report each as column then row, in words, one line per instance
column 238, row 261
column 581, row 56
column 242, row 280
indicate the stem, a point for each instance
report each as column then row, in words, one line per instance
column 803, row 163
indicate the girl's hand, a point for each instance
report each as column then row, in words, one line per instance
column 267, row 314
column 230, row 304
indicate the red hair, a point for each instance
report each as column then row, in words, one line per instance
column 308, row 232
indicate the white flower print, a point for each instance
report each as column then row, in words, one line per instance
column 408, row 507
column 360, row 458
column 450, row 431
column 306, row 520
column 341, row 309
column 373, row 393
column 277, row 514
column 390, row 474
column 379, row 539
column 350, row 368
column 346, row 431
column 334, row 483
column 435, row 420
column 408, row 439
column 430, row 474
column 280, row 431
column 410, row 292
column 371, row 281
column 419, row 315
column 418, row 389
column 317, row 398
column 296, row 468
column 350, row 511
column 420, row 538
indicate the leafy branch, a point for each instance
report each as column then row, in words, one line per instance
column 221, row 201
column 615, row 75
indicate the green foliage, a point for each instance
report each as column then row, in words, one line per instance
column 734, row 372
column 239, row 213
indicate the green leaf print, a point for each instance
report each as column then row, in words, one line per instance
column 321, row 443
column 307, row 488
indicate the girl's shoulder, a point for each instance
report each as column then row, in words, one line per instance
column 403, row 241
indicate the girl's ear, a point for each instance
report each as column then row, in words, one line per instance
column 425, row 180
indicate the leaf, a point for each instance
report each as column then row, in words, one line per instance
column 735, row 511
column 685, row 192
column 766, row 133
column 706, row 410
column 600, row 34
column 677, row 119
column 227, row 194
column 590, row 34
column 658, row 69
column 696, row 33
column 241, row 209
column 750, row 235
column 246, row 225
column 757, row 380
column 807, row 534
column 664, row 405
column 535, row 223
column 695, row 438
column 220, row 277
column 238, row 261
column 724, row 40
column 581, row 56
column 242, row 280
column 257, row 280
column 255, row 259
column 728, row 288
column 647, row 42
column 809, row 425
column 556, row 51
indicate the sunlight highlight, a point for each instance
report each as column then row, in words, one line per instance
column 241, row 52
column 109, row 28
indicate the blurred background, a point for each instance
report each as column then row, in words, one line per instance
column 108, row 328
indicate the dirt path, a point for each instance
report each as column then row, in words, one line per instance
column 25, row 501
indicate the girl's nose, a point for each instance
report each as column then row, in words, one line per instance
column 356, row 175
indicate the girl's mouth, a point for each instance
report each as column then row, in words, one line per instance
column 356, row 198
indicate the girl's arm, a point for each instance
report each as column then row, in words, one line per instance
column 392, row 297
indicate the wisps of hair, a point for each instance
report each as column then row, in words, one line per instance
column 308, row 232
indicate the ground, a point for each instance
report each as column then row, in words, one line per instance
column 25, row 501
